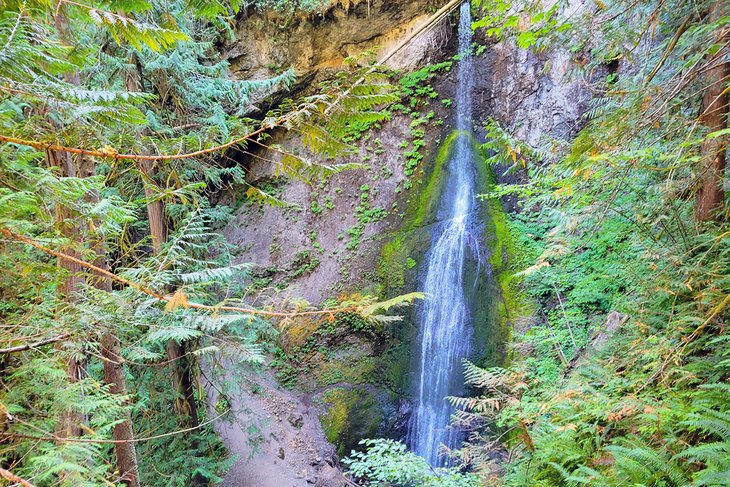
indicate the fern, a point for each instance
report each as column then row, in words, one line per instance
column 711, row 422
column 641, row 463
column 215, row 274
column 136, row 33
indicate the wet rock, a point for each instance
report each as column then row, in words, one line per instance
column 405, row 408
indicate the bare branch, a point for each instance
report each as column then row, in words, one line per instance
column 8, row 475
column 28, row 346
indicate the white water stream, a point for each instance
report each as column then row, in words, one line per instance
column 445, row 324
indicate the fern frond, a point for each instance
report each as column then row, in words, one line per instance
column 135, row 33
column 216, row 274
column 385, row 306
column 711, row 422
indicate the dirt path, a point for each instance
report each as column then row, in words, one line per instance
column 277, row 439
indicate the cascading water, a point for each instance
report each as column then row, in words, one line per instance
column 445, row 324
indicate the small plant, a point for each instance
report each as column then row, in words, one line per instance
column 388, row 462
column 222, row 404
column 315, row 208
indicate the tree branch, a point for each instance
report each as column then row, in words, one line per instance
column 28, row 346
column 110, row 153
column 9, row 476
column 55, row 438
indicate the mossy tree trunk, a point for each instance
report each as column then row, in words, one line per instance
column 715, row 99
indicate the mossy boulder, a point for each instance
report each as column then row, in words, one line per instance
column 351, row 414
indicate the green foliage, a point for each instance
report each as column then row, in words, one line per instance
column 507, row 19
column 137, row 34
column 414, row 86
column 292, row 6
column 607, row 222
column 388, row 462
column 364, row 214
column 137, row 77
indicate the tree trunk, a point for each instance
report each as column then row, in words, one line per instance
column 69, row 424
column 111, row 353
column 180, row 366
column 155, row 211
column 114, row 376
column 711, row 197
column 183, row 381
column 70, row 421
column 110, row 347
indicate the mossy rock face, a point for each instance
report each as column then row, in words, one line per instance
column 350, row 367
column 400, row 256
column 490, row 297
column 351, row 415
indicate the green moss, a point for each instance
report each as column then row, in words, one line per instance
column 352, row 414
column 334, row 421
column 350, row 370
column 411, row 237
column 503, row 253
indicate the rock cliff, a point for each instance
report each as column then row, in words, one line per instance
column 330, row 242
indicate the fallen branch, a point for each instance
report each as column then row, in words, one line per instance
column 28, row 346
column 8, row 475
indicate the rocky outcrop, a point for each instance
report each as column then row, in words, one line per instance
column 533, row 96
column 327, row 246
column 266, row 43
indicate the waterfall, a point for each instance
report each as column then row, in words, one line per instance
column 445, row 326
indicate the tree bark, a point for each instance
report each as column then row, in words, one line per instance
column 711, row 197
column 114, row 376
column 181, row 368
column 110, row 347
column 183, row 381
column 155, row 211
column 68, row 225
column 70, row 421
column 113, row 366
